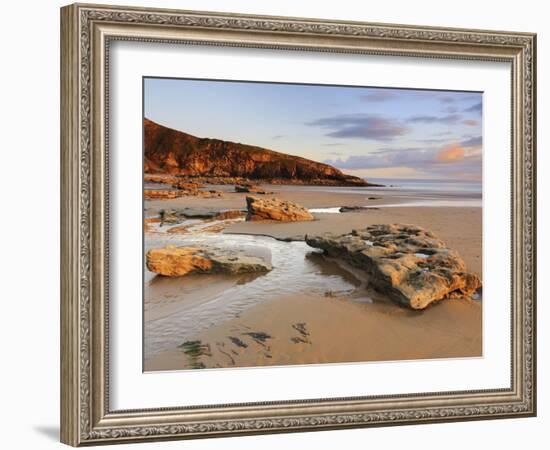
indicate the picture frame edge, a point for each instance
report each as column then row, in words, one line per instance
column 85, row 418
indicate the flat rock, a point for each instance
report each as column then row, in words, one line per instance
column 162, row 194
column 172, row 261
column 345, row 209
column 186, row 185
column 251, row 189
column 275, row 209
column 409, row 264
column 169, row 194
column 176, row 216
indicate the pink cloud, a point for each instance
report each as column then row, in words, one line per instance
column 470, row 122
column 451, row 153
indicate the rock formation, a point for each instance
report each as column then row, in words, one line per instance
column 251, row 189
column 407, row 263
column 345, row 209
column 275, row 209
column 186, row 185
column 170, row 194
column 173, row 152
column 177, row 216
column 174, row 261
column 162, row 194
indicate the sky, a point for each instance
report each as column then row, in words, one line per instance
column 363, row 131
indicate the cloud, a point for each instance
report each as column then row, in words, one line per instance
column 378, row 96
column 388, row 158
column 278, row 136
column 447, row 119
column 432, row 141
column 474, row 141
column 470, row 122
column 361, row 126
column 476, row 107
column 450, row 153
column 395, row 149
column 446, row 99
column 452, row 160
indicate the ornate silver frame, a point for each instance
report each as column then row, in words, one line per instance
column 86, row 31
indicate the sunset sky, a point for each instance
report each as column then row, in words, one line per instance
column 368, row 132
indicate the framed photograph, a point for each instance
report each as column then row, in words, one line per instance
column 276, row 224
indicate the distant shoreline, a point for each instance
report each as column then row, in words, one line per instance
column 168, row 178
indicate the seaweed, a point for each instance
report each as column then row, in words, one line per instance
column 195, row 350
column 238, row 342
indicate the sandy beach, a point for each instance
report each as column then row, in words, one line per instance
column 313, row 329
column 309, row 309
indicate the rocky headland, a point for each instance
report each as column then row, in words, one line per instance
column 173, row 152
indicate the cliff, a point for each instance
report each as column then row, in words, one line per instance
column 173, row 152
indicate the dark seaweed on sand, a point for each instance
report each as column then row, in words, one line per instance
column 194, row 350
column 258, row 336
column 238, row 342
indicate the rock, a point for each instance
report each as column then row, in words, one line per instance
column 159, row 178
column 186, row 185
column 174, row 261
column 221, row 180
column 345, row 209
column 407, row 263
column 189, row 213
column 251, row 189
column 275, row 209
column 173, row 216
column 147, row 221
column 209, row 194
column 242, row 188
column 169, row 216
column 231, row 214
column 169, row 194
column 219, row 221
column 161, row 194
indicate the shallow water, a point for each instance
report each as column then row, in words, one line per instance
column 296, row 268
column 411, row 202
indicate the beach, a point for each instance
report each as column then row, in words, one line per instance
column 309, row 309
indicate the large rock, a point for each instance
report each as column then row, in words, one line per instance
column 174, row 261
column 409, row 264
column 275, row 209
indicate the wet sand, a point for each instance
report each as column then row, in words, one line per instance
column 312, row 325
column 312, row 329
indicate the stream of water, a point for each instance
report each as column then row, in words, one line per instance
column 296, row 268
